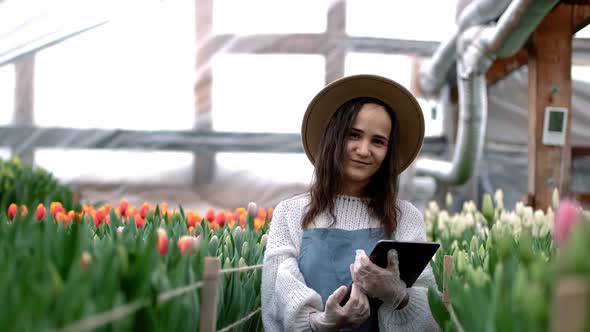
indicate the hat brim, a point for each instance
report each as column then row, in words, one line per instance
column 406, row 108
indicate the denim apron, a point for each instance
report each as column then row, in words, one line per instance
column 325, row 258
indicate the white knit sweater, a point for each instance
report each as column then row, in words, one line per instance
column 286, row 299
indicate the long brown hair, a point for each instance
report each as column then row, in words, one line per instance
column 383, row 185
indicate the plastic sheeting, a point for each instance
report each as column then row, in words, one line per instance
column 138, row 73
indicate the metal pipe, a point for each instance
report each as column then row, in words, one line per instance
column 476, row 46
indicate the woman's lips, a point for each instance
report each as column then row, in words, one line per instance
column 359, row 163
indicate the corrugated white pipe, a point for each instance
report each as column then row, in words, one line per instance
column 472, row 63
column 433, row 74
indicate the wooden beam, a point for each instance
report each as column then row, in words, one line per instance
column 581, row 16
column 167, row 140
column 550, row 83
column 504, row 66
column 204, row 164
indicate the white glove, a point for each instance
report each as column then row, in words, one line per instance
column 375, row 281
column 335, row 317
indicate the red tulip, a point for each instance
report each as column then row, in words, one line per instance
column 12, row 210
column 139, row 221
column 221, row 218
column 123, row 205
column 210, row 216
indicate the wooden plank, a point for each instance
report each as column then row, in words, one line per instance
column 335, row 49
column 312, row 43
column 549, row 85
column 24, row 96
column 165, row 140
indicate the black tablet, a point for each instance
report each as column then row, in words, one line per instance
column 413, row 259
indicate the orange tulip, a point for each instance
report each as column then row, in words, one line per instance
column 191, row 231
column 12, row 210
column 23, row 211
column 71, row 216
column 192, row 218
column 40, row 212
column 60, row 216
column 270, row 212
column 56, row 207
column 258, row 223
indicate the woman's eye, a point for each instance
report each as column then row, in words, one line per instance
column 354, row 135
column 379, row 142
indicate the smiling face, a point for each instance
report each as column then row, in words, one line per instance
column 365, row 147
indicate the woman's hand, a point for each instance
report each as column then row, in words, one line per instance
column 335, row 317
column 375, row 281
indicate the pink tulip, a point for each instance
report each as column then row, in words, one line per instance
column 568, row 214
column 162, row 241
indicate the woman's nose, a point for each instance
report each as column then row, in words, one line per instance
column 363, row 148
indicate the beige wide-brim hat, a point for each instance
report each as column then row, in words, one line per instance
column 406, row 108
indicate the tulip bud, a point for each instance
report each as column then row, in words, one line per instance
column 162, row 241
column 252, row 209
column 555, row 199
column 213, row 244
column 120, row 230
column 40, row 212
column 245, row 249
column 85, row 260
column 499, row 199
column 237, row 233
column 227, row 264
column 449, row 201
column 188, row 244
column 263, row 240
column 488, row 207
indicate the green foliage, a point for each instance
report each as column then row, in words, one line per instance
column 25, row 185
column 54, row 274
column 503, row 267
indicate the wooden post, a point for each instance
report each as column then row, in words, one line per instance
column 335, row 50
column 209, row 295
column 570, row 304
column 204, row 164
column 24, row 95
column 550, row 61
column 447, row 270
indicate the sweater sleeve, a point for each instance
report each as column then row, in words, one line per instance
column 416, row 315
column 286, row 300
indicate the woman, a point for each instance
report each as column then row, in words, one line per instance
column 360, row 132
